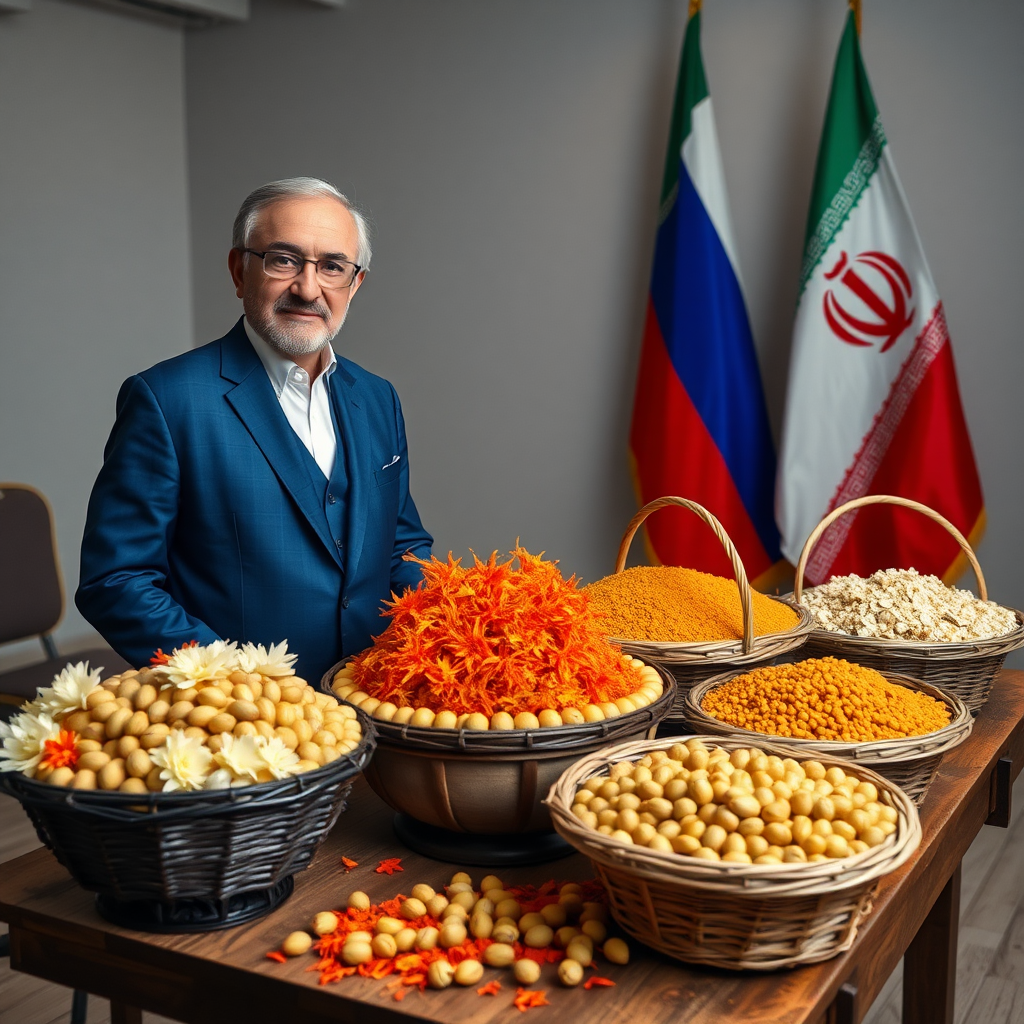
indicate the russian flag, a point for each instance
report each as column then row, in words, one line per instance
column 700, row 427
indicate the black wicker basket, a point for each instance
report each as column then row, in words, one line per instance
column 190, row 862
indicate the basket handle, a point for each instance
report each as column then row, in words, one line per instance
column 885, row 499
column 702, row 513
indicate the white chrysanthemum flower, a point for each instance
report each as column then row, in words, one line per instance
column 241, row 756
column 275, row 663
column 24, row 740
column 185, row 761
column 220, row 779
column 197, row 665
column 279, row 760
column 69, row 690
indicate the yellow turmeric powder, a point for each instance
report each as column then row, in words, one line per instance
column 824, row 699
column 669, row 603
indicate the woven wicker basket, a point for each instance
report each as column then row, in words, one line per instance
column 908, row 763
column 692, row 662
column 964, row 669
column 737, row 916
column 192, row 861
column 490, row 782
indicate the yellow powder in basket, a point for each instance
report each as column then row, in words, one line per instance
column 668, row 603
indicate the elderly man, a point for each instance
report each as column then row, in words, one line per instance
column 257, row 488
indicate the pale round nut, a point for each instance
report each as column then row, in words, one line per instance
column 499, row 954
column 616, row 951
column 358, row 900
column 526, row 971
column 469, row 972
column 570, row 972
column 440, row 974
column 296, row 944
column 412, row 908
column 325, row 922
column 355, row 953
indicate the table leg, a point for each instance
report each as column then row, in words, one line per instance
column 929, row 965
column 121, row 1014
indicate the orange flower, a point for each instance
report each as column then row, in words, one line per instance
column 159, row 658
column 348, row 864
column 61, row 752
column 389, row 866
column 492, row 988
column 494, row 638
column 528, row 998
column 596, row 980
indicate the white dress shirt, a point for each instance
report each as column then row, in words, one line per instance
column 307, row 409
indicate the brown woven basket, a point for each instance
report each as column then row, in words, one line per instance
column 738, row 916
column 908, row 763
column 692, row 662
column 484, row 781
column 964, row 669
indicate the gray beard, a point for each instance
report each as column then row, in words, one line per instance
column 292, row 341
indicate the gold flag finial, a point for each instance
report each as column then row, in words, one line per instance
column 694, row 7
column 854, row 6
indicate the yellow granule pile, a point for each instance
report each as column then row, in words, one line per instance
column 668, row 603
column 824, row 699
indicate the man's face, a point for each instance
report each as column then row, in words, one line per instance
column 297, row 316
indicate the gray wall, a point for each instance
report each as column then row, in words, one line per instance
column 510, row 153
column 94, row 279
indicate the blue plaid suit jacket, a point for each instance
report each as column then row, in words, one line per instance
column 205, row 521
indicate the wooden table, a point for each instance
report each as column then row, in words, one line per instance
column 224, row 978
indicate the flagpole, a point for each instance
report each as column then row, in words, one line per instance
column 854, row 6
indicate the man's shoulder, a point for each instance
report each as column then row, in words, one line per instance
column 194, row 366
column 363, row 379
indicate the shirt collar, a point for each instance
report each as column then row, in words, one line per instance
column 278, row 366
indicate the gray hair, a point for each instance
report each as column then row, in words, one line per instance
column 288, row 188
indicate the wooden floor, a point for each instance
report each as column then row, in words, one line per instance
column 990, row 976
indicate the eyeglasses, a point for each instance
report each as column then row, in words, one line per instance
column 330, row 273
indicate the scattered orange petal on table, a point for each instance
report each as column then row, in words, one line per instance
column 279, row 957
column 492, row 988
column 596, row 980
column 389, row 866
column 528, row 998
column 348, row 864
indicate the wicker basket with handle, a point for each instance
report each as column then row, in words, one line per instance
column 737, row 916
column 909, row 763
column 692, row 662
column 963, row 669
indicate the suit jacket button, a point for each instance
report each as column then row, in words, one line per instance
column 331, row 499
column 338, row 542
column 344, row 602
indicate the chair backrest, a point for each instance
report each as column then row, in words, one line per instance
column 31, row 590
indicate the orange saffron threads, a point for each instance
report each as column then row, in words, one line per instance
column 494, row 637
column 527, row 998
column 159, row 658
column 61, row 752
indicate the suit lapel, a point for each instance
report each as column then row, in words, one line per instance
column 355, row 438
column 256, row 405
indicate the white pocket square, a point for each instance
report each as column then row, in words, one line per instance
column 392, row 462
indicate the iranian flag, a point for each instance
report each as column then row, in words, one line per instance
column 873, row 405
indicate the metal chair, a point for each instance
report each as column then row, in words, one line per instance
column 31, row 605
